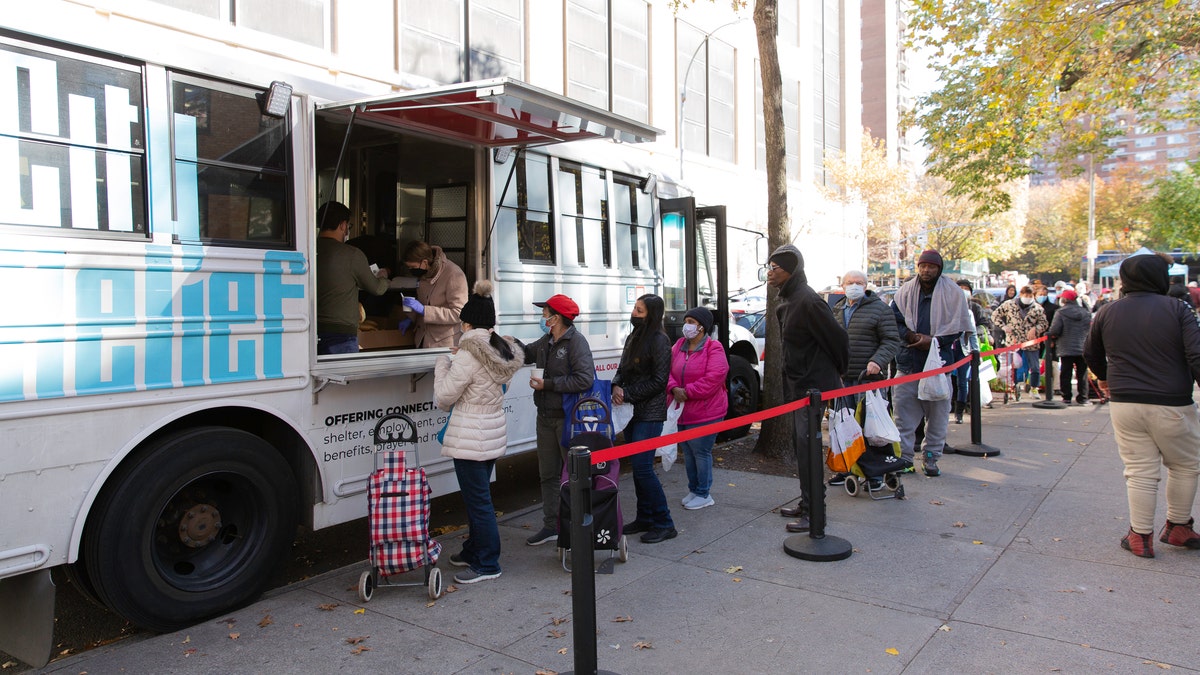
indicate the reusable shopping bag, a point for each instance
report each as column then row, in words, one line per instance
column 669, row 453
column 622, row 415
column 879, row 429
column 987, row 373
column 846, row 442
column 588, row 411
column 937, row 387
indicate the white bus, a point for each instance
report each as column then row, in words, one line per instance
column 167, row 422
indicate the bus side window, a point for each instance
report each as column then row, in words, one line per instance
column 231, row 166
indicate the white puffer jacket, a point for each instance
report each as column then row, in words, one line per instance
column 471, row 384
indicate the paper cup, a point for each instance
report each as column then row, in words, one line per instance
column 537, row 373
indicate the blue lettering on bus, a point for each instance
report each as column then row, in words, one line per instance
column 207, row 330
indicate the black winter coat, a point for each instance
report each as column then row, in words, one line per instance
column 815, row 348
column 569, row 369
column 1070, row 328
column 872, row 331
column 643, row 377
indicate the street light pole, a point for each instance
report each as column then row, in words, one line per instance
column 683, row 90
column 1091, row 256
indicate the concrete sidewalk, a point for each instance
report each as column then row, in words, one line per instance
column 1006, row 564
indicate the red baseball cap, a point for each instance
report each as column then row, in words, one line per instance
column 1069, row 295
column 561, row 304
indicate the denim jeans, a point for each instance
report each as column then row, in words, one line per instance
column 481, row 550
column 697, row 459
column 652, row 506
column 337, row 343
column 1030, row 370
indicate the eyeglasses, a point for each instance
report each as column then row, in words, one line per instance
column 773, row 268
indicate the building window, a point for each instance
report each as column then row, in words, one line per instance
column 231, row 165
column 74, row 143
column 434, row 35
column 583, row 207
column 1177, row 153
column 1146, row 156
column 618, row 82
column 791, row 126
column 1176, row 139
column 1146, row 142
column 632, row 215
column 827, row 89
column 300, row 21
column 704, row 70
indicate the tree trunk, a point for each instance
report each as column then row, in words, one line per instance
column 776, row 436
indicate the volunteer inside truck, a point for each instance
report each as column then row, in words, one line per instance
column 441, row 294
column 341, row 271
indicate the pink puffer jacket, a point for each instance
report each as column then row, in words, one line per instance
column 702, row 375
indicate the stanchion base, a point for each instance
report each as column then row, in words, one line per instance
column 598, row 672
column 825, row 549
column 977, row 450
column 1049, row 405
column 948, row 449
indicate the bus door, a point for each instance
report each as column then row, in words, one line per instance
column 694, row 264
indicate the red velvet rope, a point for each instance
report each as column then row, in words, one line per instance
column 627, row 449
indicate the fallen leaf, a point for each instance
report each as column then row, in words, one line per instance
column 228, row 622
column 893, row 651
column 189, row 652
column 976, row 542
column 1166, row 600
column 959, row 523
column 944, row 628
column 563, row 650
column 1070, row 590
column 356, row 640
column 554, row 633
column 642, row 645
column 1058, row 539
column 732, row 484
column 431, row 603
column 360, row 610
column 186, row 640
column 559, row 620
column 234, row 636
column 936, row 502
column 8, row 664
column 1070, row 440
column 622, row 619
column 360, row 649
column 545, row 672
column 266, row 621
column 983, row 485
column 733, row 570
column 327, row 607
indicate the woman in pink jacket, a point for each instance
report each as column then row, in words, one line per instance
column 698, row 370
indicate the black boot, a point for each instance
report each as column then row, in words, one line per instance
column 959, row 407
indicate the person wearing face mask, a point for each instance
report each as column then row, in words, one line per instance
column 816, row 354
column 1023, row 319
column 641, row 380
column 441, row 294
column 565, row 358
column 873, row 339
column 341, row 271
column 1044, row 297
column 699, row 367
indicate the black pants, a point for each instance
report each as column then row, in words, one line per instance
column 1064, row 378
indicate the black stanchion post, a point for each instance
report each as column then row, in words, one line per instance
column 1049, row 402
column 816, row 545
column 977, row 448
column 583, row 561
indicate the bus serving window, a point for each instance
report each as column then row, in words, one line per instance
column 231, row 165
column 524, row 214
column 584, row 204
column 73, row 142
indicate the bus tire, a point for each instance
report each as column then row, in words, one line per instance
column 194, row 526
column 743, row 396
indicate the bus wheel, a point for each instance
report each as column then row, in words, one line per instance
column 743, row 395
column 193, row 526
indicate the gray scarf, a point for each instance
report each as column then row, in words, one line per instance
column 948, row 313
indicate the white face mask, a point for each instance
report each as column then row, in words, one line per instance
column 690, row 330
column 967, row 294
column 855, row 292
column 1025, row 300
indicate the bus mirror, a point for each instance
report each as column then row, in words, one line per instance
column 762, row 274
column 760, row 253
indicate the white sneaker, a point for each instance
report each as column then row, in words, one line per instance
column 690, row 496
column 699, row 503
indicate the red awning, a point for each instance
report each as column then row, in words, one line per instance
column 494, row 113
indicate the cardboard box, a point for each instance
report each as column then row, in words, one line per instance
column 384, row 339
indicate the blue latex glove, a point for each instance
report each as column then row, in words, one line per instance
column 415, row 305
column 405, row 325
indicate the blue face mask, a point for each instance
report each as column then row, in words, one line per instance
column 545, row 326
column 1041, row 299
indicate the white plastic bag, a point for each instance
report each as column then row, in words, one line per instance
column 878, row 428
column 669, row 453
column 622, row 415
column 987, row 373
column 937, row 387
column 846, row 442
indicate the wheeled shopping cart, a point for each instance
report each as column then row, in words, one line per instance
column 877, row 471
column 398, row 513
column 589, row 422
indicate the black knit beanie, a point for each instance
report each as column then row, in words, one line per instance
column 702, row 317
column 480, row 311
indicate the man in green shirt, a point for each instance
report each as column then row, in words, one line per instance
column 341, row 271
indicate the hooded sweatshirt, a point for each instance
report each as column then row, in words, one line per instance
column 1145, row 345
column 816, row 350
column 472, row 384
